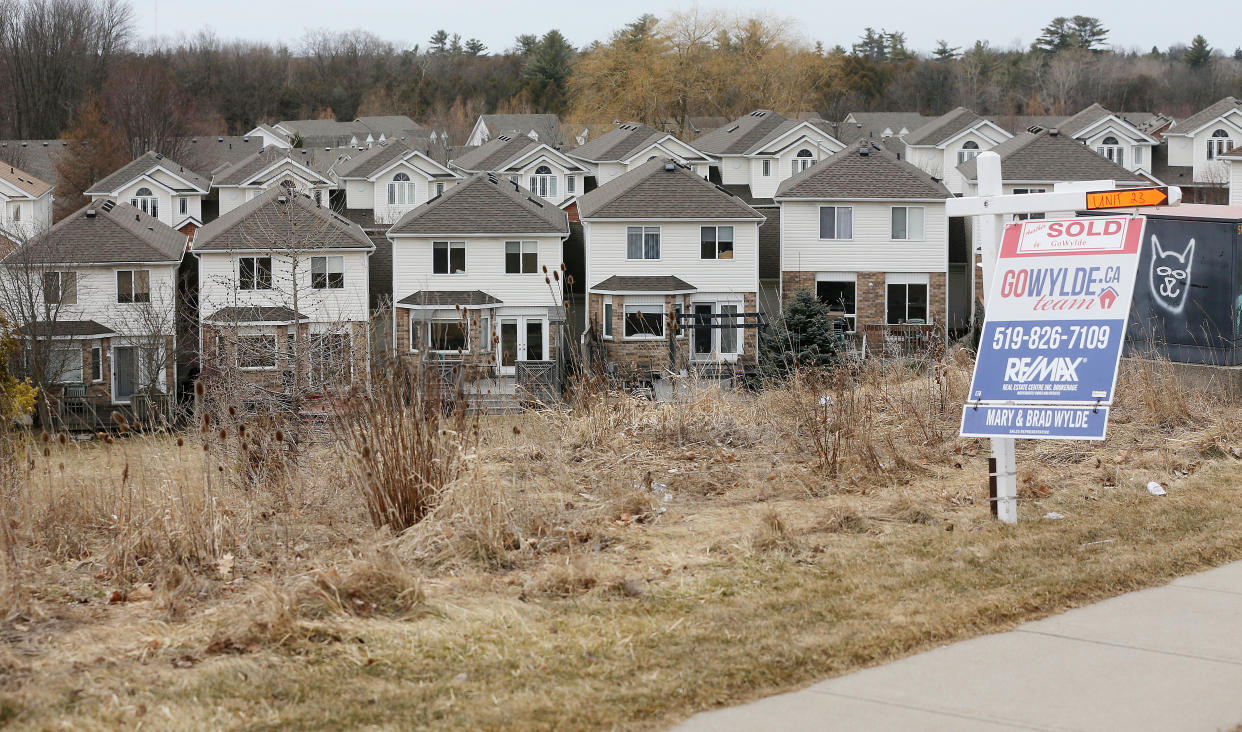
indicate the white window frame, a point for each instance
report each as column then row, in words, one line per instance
column 851, row 317
column 1219, row 143
column 459, row 322
column 571, row 185
column 922, row 219
column 65, row 364
column 969, row 149
column 801, row 162
column 1027, row 216
column 450, row 246
column 836, row 223
column 69, row 276
column 648, row 308
column 767, row 168
column 96, row 364
column 183, row 205
column 1138, row 154
column 644, row 232
column 137, row 296
column 274, row 338
column 905, row 279
column 525, row 248
column 255, row 274
column 332, row 264
column 606, row 312
column 716, row 236
column 401, row 190
column 1113, row 151
column 148, row 202
column 485, row 334
column 543, row 184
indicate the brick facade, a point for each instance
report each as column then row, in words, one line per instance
column 870, row 294
column 653, row 353
column 476, row 356
column 217, row 361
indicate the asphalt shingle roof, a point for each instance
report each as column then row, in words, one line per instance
column 37, row 157
column 104, row 232
column 546, row 126
column 255, row 314
column 742, row 134
column 494, row 154
column 943, row 127
column 644, row 283
column 449, row 298
column 213, row 154
column 256, row 223
column 618, row 144
column 1203, row 116
column 243, row 171
column 23, row 181
column 483, row 204
column 1044, row 156
column 1084, row 119
column 148, row 162
column 1170, row 175
column 873, row 124
column 65, row 329
column 366, row 163
column 851, row 175
column 653, row 191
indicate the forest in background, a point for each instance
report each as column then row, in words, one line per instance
column 76, row 69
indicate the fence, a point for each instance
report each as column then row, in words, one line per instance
column 882, row 340
column 538, row 380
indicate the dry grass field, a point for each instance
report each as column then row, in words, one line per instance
column 610, row 563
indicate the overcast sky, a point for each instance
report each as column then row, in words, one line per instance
column 498, row 23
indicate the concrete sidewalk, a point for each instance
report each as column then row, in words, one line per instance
column 1168, row 658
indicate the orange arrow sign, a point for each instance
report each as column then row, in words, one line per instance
column 1127, row 198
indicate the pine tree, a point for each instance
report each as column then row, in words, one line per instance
column 945, row 52
column 547, row 69
column 1199, row 54
column 475, row 47
column 439, row 42
column 803, row 336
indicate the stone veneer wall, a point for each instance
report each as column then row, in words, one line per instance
column 273, row 379
column 475, row 357
column 870, row 294
column 653, row 352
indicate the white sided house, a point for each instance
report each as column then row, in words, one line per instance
column 867, row 234
column 1233, row 159
column 294, row 171
column 662, row 242
column 477, row 277
column 543, row 170
column 25, row 203
column 103, row 322
column 632, row 144
column 283, row 286
column 1112, row 136
column 389, row 180
column 1200, row 141
column 545, row 128
column 165, row 189
column 763, row 149
column 944, row 143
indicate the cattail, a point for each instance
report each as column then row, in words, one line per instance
column 562, row 266
column 206, row 419
column 47, row 452
column 241, row 430
column 569, row 279
column 556, row 276
column 366, row 451
column 62, row 438
column 200, row 390
column 44, row 437
column 232, row 411
column 206, row 447
column 224, row 435
column 108, row 439
column 118, row 419
column 280, row 435
column 180, row 442
column 545, row 269
column 516, row 431
column 220, row 468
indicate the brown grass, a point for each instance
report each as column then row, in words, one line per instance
column 616, row 563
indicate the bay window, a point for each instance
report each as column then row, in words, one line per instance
column 644, row 321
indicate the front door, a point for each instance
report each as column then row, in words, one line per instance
column 521, row 339
column 124, row 373
column 508, row 345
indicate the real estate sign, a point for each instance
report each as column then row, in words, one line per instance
column 1055, row 325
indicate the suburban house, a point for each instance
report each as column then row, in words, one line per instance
column 545, row 128
column 1233, row 159
column 296, row 171
column 390, row 179
column 25, row 203
column 543, row 170
column 631, row 145
column 283, row 297
column 362, row 132
column 879, row 125
column 1112, row 136
column 944, row 143
column 763, row 149
column 477, row 276
column 867, row 233
column 1197, row 144
column 165, row 189
column 663, row 242
column 95, row 298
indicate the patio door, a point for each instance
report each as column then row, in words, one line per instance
column 521, row 339
column 124, row 373
column 703, row 344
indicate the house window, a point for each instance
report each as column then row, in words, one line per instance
column 1218, row 144
column 644, row 321
column 1111, row 149
column 907, row 301
column 1138, row 154
column 836, row 222
column 642, row 242
column 133, row 285
column 448, row 336
column 17, row 212
column 96, row 363
column 329, row 359
column 448, row 257
column 608, row 316
column 767, row 168
column 571, row 184
column 908, row 223
column 256, row 351
column 400, row 190
column 521, row 257
column 485, row 334
column 716, row 242
column 254, row 273
column 970, row 149
column 145, row 200
column 803, row 160
column 65, row 364
column 328, row 273
column 729, row 341
column 183, row 205
column 840, row 295
column 439, row 189
column 60, row 288
column 543, row 183
column 1026, row 216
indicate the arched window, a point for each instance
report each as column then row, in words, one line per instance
column 1219, row 144
column 288, row 184
column 146, row 200
column 970, row 149
column 1111, row 149
column 1110, row 140
column 543, row 183
column 802, row 160
column 401, row 191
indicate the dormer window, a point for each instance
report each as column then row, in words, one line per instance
column 803, row 160
column 970, row 149
column 145, row 200
column 400, row 190
column 1111, row 149
column 543, row 183
column 1218, row 144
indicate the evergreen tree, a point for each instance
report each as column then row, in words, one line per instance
column 439, row 42
column 1080, row 32
column 525, row 44
column 803, row 336
column 945, row 52
column 547, row 71
column 1199, row 54
column 475, row 47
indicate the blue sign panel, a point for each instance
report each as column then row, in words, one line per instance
column 1034, row 421
column 1048, row 361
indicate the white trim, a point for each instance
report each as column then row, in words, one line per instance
column 405, row 159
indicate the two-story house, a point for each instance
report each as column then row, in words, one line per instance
column 95, row 297
column 161, row 187
column 1198, row 143
column 1112, row 136
column 283, row 295
column 25, row 203
column 947, row 141
column 295, row 171
column 631, row 145
column 545, row 128
column 763, row 149
column 543, row 170
column 390, row 179
column 477, row 276
column 868, row 234
column 662, row 242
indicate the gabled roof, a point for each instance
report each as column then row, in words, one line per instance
column 104, row 232
column 391, row 125
column 448, row 299
column 644, row 283
column 742, row 135
column 495, row 154
column 1048, row 156
column 213, row 154
column 851, row 175
column 945, row 127
column 1018, row 123
column 546, row 126
column 246, row 171
column 253, row 224
column 1204, row 117
column 23, row 181
column 874, row 125
column 144, row 165
column 769, row 146
column 1096, row 116
column 618, row 144
column 374, row 160
column 274, row 314
column 37, row 157
column 483, row 204
column 663, row 189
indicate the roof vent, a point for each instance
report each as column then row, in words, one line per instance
column 758, row 113
column 45, row 144
column 246, row 139
column 1053, row 132
column 137, row 217
column 732, row 129
column 1034, row 129
column 669, row 166
column 864, row 151
column 219, row 139
column 282, row 199
column 90, row 213
column 107, row 205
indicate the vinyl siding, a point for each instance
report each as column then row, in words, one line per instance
column 169, row 211
column 35, row 215
column 735, row 170
column 217, row 282
column 559, row 172
column 871, row 250
column 485, row 270
column 679, row 255
column 1212, row 171
column 96, row 300
column 1235, row 183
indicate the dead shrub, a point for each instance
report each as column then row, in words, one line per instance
column 565, row 577
column 773, row 534
column 376, row 583
column 907, row 511
column 477, row 520
column 842, row 520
